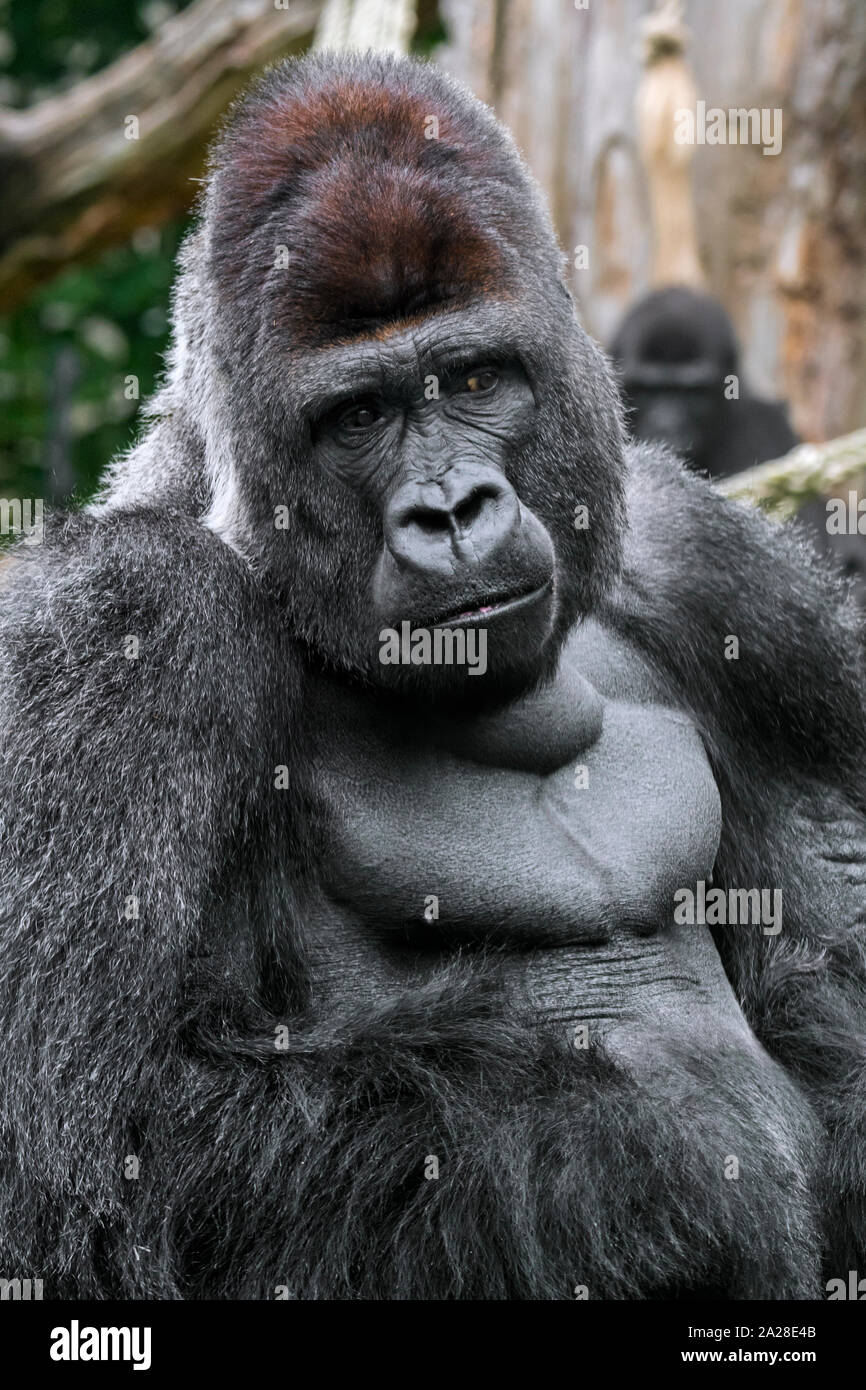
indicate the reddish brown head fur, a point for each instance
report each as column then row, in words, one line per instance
column 392, row 191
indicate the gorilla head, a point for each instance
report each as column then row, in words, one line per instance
column 401, row 364
column 674, row 349
column 678, row 359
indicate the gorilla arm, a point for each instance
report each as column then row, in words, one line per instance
column 131, row 772
column 785, row 730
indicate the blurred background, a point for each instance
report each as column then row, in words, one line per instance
column 106, row 111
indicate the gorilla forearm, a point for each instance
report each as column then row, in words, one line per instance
column 127, row 793
column 804, row 991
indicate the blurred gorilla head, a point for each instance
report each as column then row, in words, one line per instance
column 674, row 350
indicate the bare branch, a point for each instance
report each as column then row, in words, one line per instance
column 811, row 470
column 75, row 183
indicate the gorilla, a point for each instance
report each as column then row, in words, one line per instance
column 338, row 966
column 674, row 351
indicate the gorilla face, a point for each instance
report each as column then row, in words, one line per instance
column 677, row 406
column 436, row 486
column 425, row 434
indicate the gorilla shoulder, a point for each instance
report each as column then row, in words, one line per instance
column 125, row 616
column 667, row 508
column 725, row 602
column 683, row 533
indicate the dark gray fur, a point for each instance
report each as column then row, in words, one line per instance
column 154, row 777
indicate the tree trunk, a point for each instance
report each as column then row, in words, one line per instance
column 782, row 237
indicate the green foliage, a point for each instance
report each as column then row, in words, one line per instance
column 66, row 356
column 66, row 362
column 47, row 45
column 430, row 31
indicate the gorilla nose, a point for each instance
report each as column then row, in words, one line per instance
column 430, row 525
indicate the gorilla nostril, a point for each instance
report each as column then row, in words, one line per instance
column 460, row 517
column 466, row 513
column 427, row 519
column 434, row 528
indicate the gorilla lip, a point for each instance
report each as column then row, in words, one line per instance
column 495, row 607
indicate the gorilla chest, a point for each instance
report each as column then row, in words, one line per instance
column 562, row 820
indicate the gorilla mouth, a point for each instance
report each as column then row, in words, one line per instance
column 492, row 607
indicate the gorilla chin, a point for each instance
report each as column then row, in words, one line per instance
column 486, row 655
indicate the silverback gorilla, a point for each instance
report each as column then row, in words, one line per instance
column 302, row 948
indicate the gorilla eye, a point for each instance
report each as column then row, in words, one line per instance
column 481, row 381
column 360, row 417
